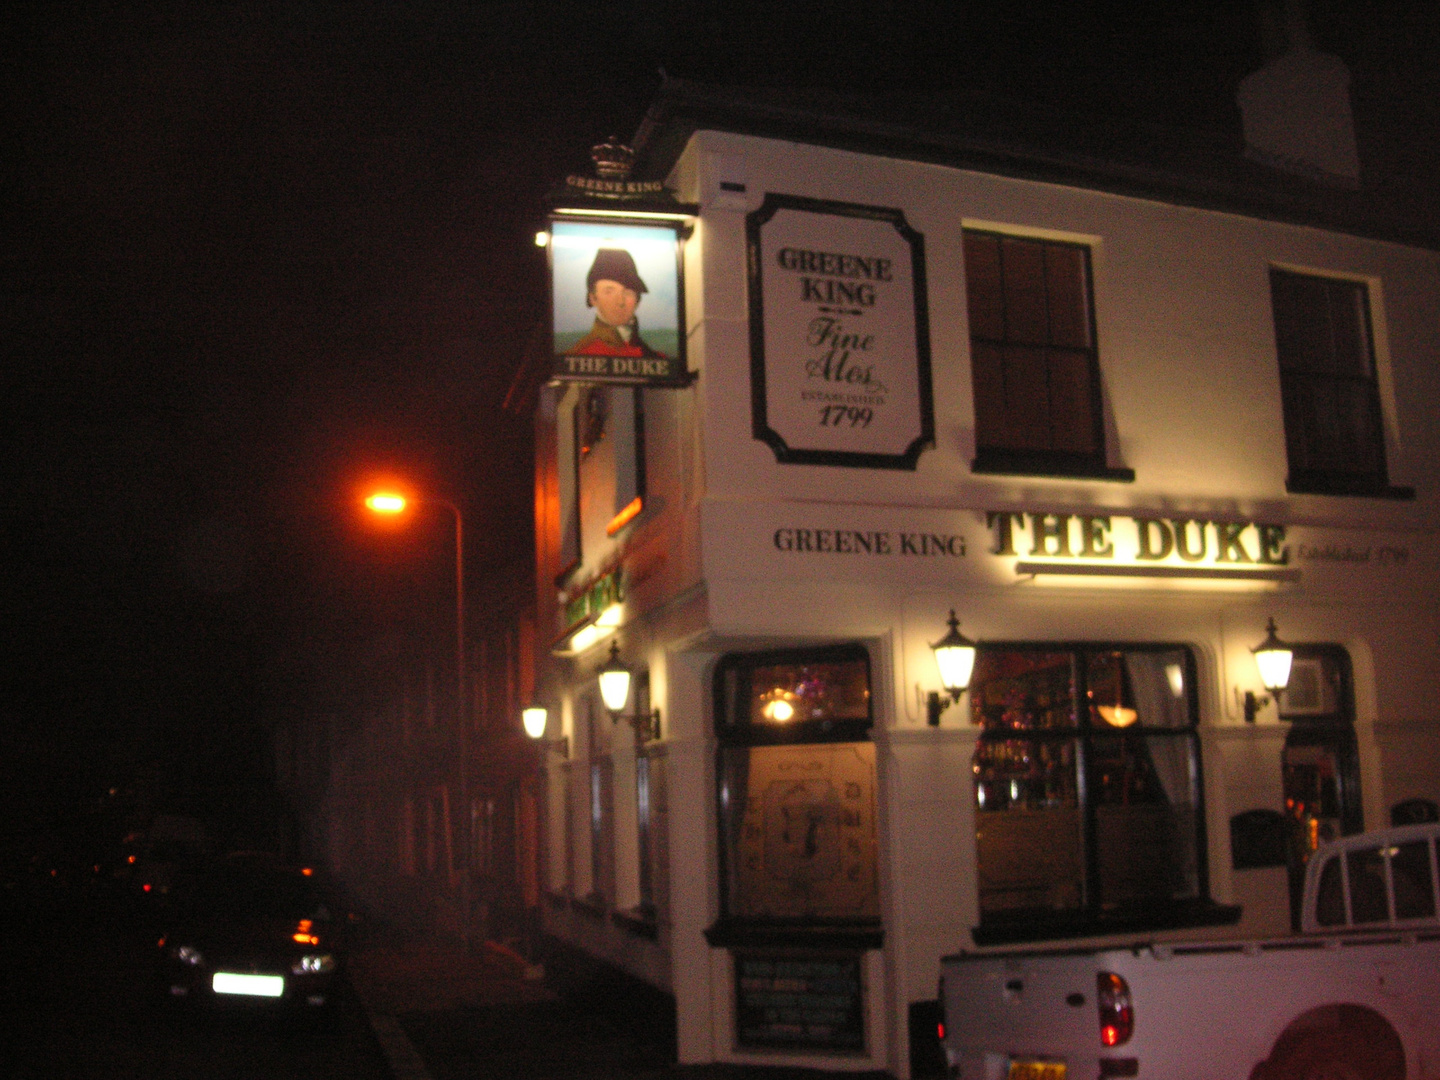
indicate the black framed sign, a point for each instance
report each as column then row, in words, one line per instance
column 839, row 334
column 791, row 1000
column 617, row 302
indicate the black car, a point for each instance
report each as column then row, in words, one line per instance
column 252, row 931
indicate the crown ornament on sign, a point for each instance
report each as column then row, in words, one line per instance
column 613, row 159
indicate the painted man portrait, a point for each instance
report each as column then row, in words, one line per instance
column 613, row 287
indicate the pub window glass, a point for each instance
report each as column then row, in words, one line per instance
column 1034, row 364
column 796, row 778
column 1087, row 782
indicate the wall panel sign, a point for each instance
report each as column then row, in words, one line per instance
column 617, row 303
column 799, row 1001
column 839, row 334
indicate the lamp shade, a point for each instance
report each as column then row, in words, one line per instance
column 1273, row 657
column 615, row 681
column 534, row 717
column 955, row 657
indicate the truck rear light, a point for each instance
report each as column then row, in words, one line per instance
column 1117, row 1018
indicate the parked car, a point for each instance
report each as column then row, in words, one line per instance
column 252, row 931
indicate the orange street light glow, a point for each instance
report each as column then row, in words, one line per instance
column 386, row 503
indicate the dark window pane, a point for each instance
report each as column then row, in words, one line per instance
column 1027, row 399
column 1140, row 687
column 1142, row 852
column 1038, row 393
column 988, row 377
column 1022, row 689
column 1069, row 295
column 1367, row 886
column 1130, row 771
column 1025, row 774
column 782, row 693
column 799, row 831
column 1358, row 437
column 1026, row 316
column 983, row 286
column 1029, row 859
column 1414, row 887
column 1302, row 323
column 1331, row 404
column 1330, row 901
column 1072, row 411
column 1350, row 334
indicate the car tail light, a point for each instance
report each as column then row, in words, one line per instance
column 1117, row 1018
column 940, row 1022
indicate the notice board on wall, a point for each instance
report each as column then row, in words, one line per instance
column 811, row 1001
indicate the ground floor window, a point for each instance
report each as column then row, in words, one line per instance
column 1088, row 800
column 797, row 799
column 1321, row 760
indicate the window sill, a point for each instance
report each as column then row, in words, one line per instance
column 1056, row 466
column 1313, row 485
column 592, row 905
column 639, row 921
column 743, row 933
column 1035, row 926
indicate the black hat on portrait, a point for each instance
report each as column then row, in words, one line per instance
column 614, row 264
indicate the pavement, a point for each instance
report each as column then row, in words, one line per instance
column 441, row 1011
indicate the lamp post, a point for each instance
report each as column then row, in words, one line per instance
column 384, row 502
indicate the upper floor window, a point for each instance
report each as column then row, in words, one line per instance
column 1033, row 358
column 1334, row 433
column 600, row 432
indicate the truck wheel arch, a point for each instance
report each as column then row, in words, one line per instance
column 1335, row 1042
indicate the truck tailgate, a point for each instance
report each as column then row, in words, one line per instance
column 995, row 1010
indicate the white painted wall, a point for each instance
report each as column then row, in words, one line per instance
column 1192, row 405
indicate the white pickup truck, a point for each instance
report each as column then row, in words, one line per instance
column 1355, row 996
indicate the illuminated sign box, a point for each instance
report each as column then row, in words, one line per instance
column 617, row 302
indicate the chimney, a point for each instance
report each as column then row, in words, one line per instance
column 1296, row 109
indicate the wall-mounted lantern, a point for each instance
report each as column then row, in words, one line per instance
column 1273, row 657
column 535, row 718
column 955, row 657
column 615, row 679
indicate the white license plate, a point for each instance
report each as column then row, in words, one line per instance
column 226, row 982
column 1029, row 1069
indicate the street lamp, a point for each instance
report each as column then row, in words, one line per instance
column 390, row 503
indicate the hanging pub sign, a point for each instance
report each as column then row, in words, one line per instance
column 616, row 290
column 839, row 334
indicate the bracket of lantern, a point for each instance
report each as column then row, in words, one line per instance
column 1273, row 657
column 615, row 680
column 955, row 657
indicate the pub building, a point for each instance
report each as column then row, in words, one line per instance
column 1115, row 424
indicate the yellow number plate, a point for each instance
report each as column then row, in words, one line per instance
column 1024, row 1069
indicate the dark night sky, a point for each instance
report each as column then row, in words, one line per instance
column 253, row 253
